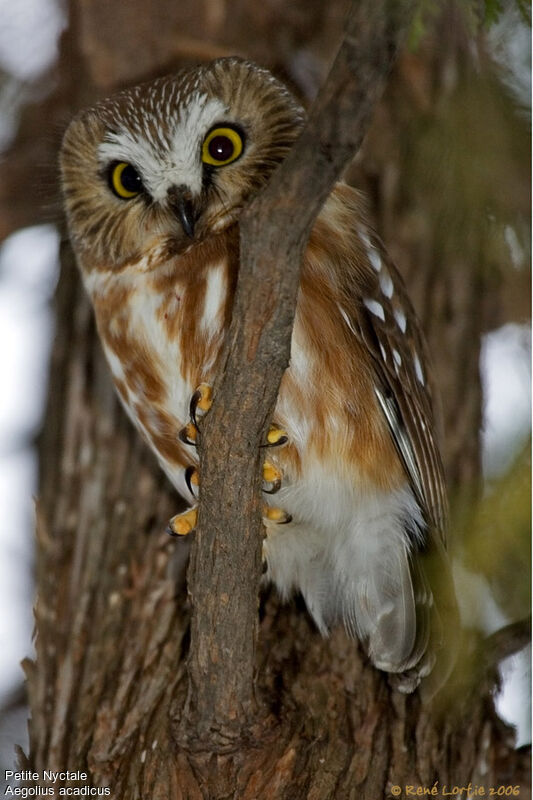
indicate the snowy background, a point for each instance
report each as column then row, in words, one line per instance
column 28, row 273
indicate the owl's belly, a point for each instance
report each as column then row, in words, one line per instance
column 354, row 517
column 347, row 552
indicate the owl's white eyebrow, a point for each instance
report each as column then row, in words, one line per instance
column 172, row 154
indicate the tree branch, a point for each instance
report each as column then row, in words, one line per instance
column 225, row 567
column 506, row 642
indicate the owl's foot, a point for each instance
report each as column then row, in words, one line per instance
column 271, row 479
column 184, row 523
column 201, row 402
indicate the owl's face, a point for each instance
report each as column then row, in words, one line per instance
column 173, row 160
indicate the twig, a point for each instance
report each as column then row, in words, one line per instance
column 506, row 642
column 225, row 565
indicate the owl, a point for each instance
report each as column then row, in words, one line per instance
column 154, row 181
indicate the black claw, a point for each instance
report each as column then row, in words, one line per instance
column 265, row 567
column 276, row 486
column 174, row 535
column 182, row 436
column 195, row 399
column 286, row 520
column 188, row 475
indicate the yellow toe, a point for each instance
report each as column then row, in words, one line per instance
column 276, row 436
column 205, row 400
column 271, row 474
column 184, row 523
column 278, row 515
column 188, row 434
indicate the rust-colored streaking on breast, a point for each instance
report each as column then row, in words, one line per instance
column 176, row 289
column 200, row 348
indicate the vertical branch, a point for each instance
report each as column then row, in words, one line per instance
column 225, row 565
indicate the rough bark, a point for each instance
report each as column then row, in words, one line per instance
column 109, row 684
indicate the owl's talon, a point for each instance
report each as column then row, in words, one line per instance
column 277, row 515
column 274, row 489
column 272, row 476
column 189, row 434
column 184, row 523
column 202, row 400
column 192, row 479
column 276, row 437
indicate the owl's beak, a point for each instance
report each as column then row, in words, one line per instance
column 180, row 201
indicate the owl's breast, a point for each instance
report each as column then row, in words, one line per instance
column 162, row 333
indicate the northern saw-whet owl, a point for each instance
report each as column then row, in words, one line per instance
column 154, row 180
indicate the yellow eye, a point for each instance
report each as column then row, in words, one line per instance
column 124, row 180
column 222, row 146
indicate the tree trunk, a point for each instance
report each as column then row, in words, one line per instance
column 109, row 684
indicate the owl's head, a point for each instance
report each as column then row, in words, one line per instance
column 173, row 160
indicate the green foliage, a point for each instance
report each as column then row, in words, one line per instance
column 494, row 9
column 498, row 537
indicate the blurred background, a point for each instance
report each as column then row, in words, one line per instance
column 446, row 172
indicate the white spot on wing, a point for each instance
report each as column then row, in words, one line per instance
column 400, row 318
column 397, row 362
column 386, row 284
column 375, row 308
column 418, row 369
column 374, row 258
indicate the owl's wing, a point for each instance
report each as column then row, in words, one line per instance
column 390, row 331
column 389, row 328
